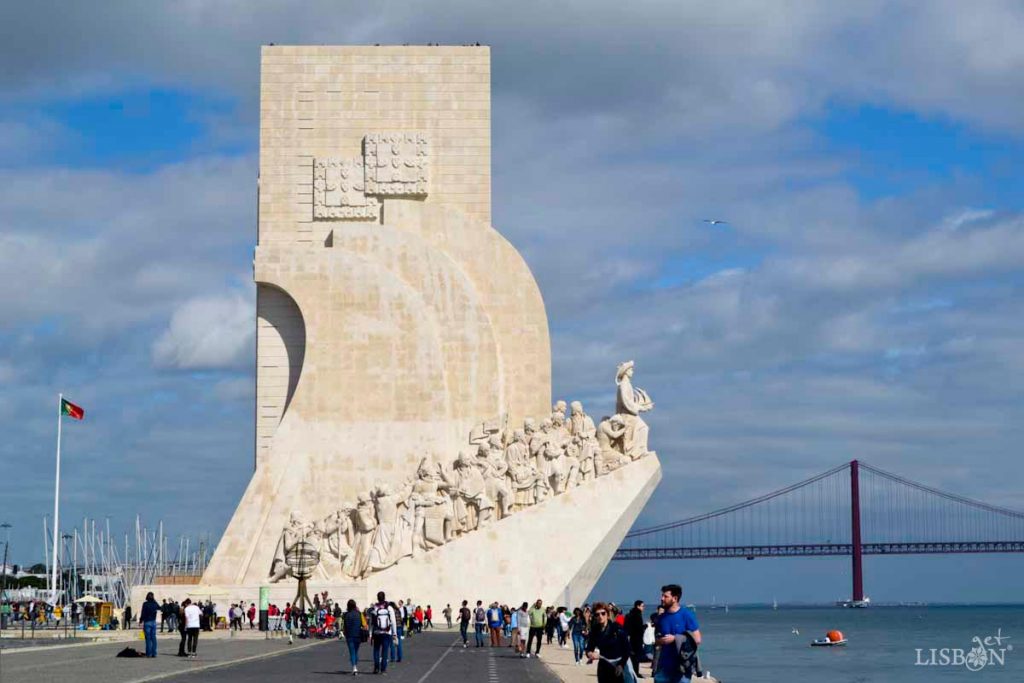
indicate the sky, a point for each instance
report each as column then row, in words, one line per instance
column 863, row 300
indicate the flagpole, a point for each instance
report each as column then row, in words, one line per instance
column 56, row 501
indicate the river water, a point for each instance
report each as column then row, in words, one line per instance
column 758, row 644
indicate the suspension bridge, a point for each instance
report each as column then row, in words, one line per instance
column 853, row 509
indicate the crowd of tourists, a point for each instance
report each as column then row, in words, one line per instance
column 38, row 614
column 188, row 618
column 384, row 625
column 618, row 641
column 602, row 633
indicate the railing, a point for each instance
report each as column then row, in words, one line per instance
column 818, row 550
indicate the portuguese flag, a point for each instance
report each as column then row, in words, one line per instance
column 71, row 410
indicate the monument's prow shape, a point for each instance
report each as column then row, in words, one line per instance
column 395, row 328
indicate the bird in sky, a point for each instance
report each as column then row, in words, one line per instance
column 714, row 221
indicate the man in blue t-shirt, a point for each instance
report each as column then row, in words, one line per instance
column 675, row 620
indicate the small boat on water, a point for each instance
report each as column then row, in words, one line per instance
column 825, row 642
column 831, row 639
column 854, row 603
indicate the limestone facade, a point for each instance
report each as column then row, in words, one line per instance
column 393, row 320
column 386, row 338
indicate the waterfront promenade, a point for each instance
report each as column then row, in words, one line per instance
column 432, row 656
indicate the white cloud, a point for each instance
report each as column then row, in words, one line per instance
column 935, row 253
column 208, row 333
column 8, row 373
column 112, row 250
column 706, row 67
column 25, row 139
column 235, row 389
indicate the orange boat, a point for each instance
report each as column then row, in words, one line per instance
column 832, row 639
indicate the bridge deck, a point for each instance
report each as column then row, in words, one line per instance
column 820, row 549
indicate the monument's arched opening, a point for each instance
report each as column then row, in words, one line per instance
column 280, row 351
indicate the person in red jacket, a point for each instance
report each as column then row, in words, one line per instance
column 252, row 615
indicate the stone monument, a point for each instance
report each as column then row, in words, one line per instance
column 405, row 436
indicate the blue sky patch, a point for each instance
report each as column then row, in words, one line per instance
column 895, row 152
column 138, row 129
column 691, row 269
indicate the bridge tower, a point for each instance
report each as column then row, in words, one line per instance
column 858, row 575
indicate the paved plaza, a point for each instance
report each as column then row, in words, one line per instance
column 429, row 657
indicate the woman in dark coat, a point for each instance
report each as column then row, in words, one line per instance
column 609, row 645
column 352, row 627
column 181, row 627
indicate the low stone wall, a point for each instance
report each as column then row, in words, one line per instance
column 177, row 580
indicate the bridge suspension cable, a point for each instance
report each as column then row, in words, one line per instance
column 738, row 506
column 851, row 509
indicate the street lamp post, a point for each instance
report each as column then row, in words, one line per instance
column 67, row 581
column 3, row 578
column 67, row 594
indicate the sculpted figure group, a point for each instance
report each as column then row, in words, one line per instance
column 498, row 474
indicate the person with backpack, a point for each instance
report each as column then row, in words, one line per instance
column 480, row 622
column 496, row 622
column 464, row 619
column 385, row 632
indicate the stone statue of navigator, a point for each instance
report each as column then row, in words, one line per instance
column 629, row 404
